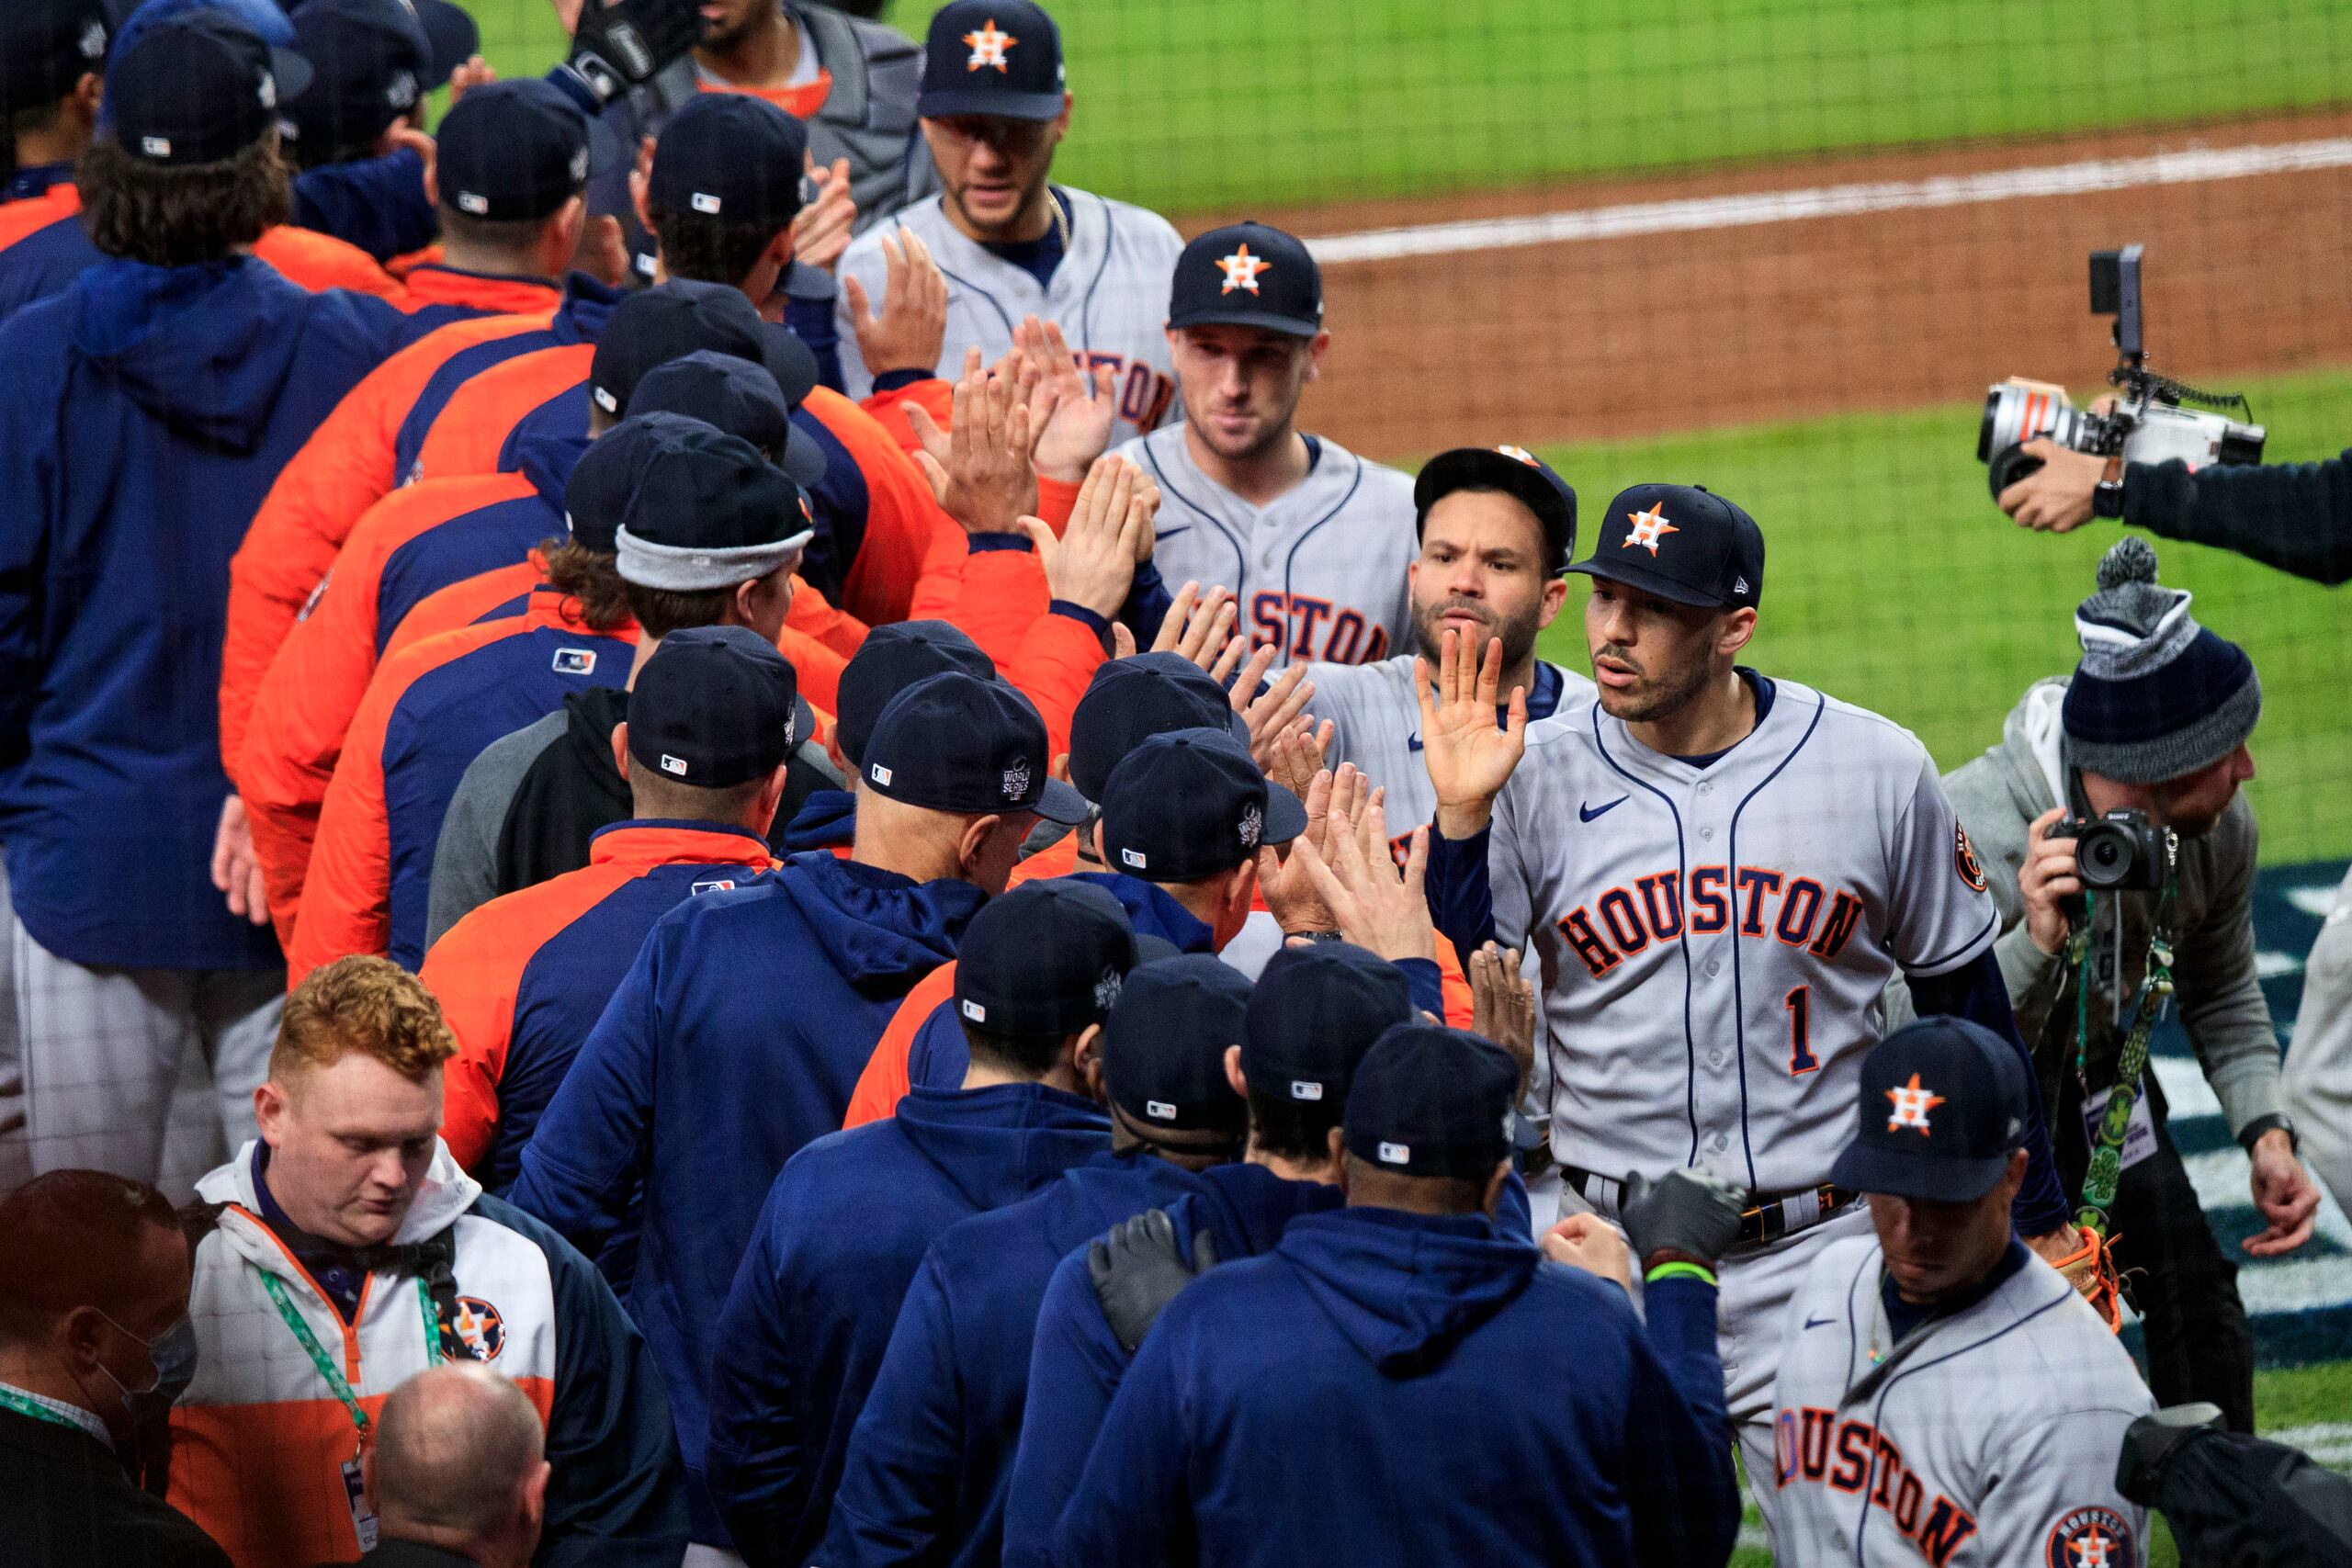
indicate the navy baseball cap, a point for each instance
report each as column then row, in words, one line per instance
column 602, row 482
column 1047, row 958
column 708, row 511
column 1190, row 803
column 198, row 87
column 733, row 157
column 1943, row 1104
column 894, row 657
column 450, row 34
column 1679, row 542
column 678, row 317
column 1164, row 1043
column 1432, row 1101
column 715, row 707
column 992, row 57
column 955, row 743
column 738, row 397
column 1313, row 1013
column 512, row 152
column 1518, row 473
column 46, row 46
column 370, row 64
column 1248, row 275
column 1130, row 700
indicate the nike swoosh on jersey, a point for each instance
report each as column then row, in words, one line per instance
column 1586, row 813
column 1413, row 743
column 1819, row 1322
column 1171, row 532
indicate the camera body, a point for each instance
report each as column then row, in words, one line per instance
column 2147, row 424
column 2119, row 852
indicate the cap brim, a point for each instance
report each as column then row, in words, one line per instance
column 804, row 722
column 1059, row 802
column 790, row 361
column 803, row 458
column 1273, row 321
column 1151, row 949
column 291, row 73
column 1002, row 106
column 1865, row 1168
column 449, row 34
column 1634, row 575
column 1285, row 815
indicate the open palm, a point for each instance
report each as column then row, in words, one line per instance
column 1468, row 756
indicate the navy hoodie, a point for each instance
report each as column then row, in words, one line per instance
column 1393, row 1389
column 144, row 412
column 927, row 1461
column 733, row 1042
column 1077, row 1361
column 814, row 1303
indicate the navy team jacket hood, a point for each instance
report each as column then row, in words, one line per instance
column 996, row 1145
column 1404, row 1289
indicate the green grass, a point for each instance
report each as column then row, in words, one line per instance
column 1208, row 105
column 2301, row 1397
column 1891, row 581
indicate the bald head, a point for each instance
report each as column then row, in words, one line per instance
column 457, row 1459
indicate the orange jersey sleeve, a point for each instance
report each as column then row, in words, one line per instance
column 463, row 602
column 307, row 701
column 1459, row 1004
column 936, row 396
column 884, row 1082
column 900, row 512
column 347, row 903
column 1054, row 664
column 469, row 431
column 316, row 262
column 344, row 468
column 815, row 616
column 816, row 668
column 18, row 218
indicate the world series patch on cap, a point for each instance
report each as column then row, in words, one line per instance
column 955, row 743
column 1045, row 958
column 47, row 46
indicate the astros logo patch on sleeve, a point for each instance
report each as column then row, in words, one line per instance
column 1971, row 870
column 988, row 47
column 2091, row 1537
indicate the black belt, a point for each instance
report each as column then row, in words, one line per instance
column 1769, row 1217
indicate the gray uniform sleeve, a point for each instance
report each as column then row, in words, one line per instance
column 2220, row 1001
column 2317, row 1078
column 464, row 860
column 2051, row 1496
column 1938, row 918
column 1981, row 800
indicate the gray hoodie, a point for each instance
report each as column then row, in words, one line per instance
column 1996, row 796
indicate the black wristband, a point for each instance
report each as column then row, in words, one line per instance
column 2107, row 500
column 2252, row 1132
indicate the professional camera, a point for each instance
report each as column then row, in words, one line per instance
column 2147, row 425
column 2119, row 852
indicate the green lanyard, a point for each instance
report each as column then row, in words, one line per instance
column 11, row 1399
column 2105, row 1167
column 325, row 1364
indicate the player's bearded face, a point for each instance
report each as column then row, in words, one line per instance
column 1477, row 575
column 1650, row 658
column 727, row 23
column 993, row 169
column 1934, row 1250
column 1242, row 386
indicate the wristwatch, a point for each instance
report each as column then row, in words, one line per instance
column 2252, row 1131
column 2107, row 500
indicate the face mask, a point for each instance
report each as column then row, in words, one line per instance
column 173, row 1355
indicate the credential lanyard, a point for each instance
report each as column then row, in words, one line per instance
column 325, row 1363
column 11, row 1399
column 2105, row 1167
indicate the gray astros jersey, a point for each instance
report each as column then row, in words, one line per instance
column 1376, row 724
column 1320, row 572
column 1986, row 1438
column 1715, row 942
column 1109, row 295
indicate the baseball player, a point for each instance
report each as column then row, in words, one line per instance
column 1498, row 528
column 1012, row 243
column 1315, row 542
column 1944, row 1394
column 1719, row 872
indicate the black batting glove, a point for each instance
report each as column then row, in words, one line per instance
column 626, row 43
column 1692, row 1214
column 1138, row 1271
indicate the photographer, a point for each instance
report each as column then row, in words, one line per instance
column 2294, row 516
column 2155, row 719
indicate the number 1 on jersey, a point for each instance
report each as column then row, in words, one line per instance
column 1800, row 1005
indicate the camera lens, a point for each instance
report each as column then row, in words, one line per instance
column 2103, row 857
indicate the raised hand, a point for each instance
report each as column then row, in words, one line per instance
column 909, row 330
column 1093, row 562
column 1502, row 1005
column 1469, row 757
column 1374, row 903
column 1083, row 404
column 821, row 231
column 1198, row 625
column 978, row 467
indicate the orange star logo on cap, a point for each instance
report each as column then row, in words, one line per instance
column 1241, row 269
column 1518, row 454
column 1649, row 527
column 988, row 47
column 1912, row 1104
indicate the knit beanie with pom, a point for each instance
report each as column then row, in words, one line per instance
column 2157, row 697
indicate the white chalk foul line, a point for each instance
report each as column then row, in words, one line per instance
column 1831, row 201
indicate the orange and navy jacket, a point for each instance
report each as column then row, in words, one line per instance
column 427, row 715
column 353, row 460
column 258, row 1441
column 524, row 978
column 414, row 541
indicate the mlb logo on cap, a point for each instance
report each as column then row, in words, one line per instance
column 1395, row 1153
column 1160, row 1110
column 673, row 764
column 974, row 1011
